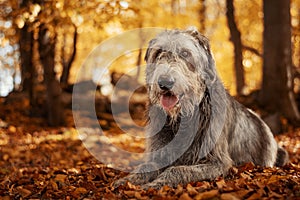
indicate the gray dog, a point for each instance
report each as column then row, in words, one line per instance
column 196, row 130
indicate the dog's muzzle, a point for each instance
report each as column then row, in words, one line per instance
column 168, row 99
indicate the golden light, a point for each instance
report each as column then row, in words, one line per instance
column 20, row 22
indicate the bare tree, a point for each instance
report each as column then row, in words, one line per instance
column 54, row 106
column 202, row 16
column 277, row 84
column 28, row 71
column 235, row 38
column 67, row 60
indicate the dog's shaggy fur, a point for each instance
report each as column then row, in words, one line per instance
column 196, row 130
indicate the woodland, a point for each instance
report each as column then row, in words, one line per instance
column 50, row 48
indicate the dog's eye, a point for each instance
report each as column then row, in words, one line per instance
column 184, row 53
column 157, row 53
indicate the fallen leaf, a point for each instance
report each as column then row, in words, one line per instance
column 24, row 192
column 275, row 178
column 185, row 196
column 60, row 178
column 242, row 193
column 179, row 190
column 257, row 195
column 221, row 183
column 228, row 196
column 245, row 176
column 191, row 190
column 130, row 193
column 80, row 191
column 131, row 186
column 207, row 195
column 12, row 129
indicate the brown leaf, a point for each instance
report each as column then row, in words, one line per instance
column 164, row 190
column 131, row 186
column 242, row 193
column 61, row 178
column 130, row 193
column 203, row 185
column 12, row 129
column 221, row 183
column 179, row 190
column 275, row 195
column 185, row 196
column 228, row 196
column 275, row 178
column 138, row 195
column 191, row 190
column 23, row 192
column 258, row 195
column 245, row 176
column 247, row 166
column 80, row 191
column 53, row 185
column 207, row 195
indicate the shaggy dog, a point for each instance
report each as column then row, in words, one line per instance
column 196, row 130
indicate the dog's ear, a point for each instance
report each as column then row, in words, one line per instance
column 218, row 102
column 217, row 94
column 202, row 40
column 147, row 55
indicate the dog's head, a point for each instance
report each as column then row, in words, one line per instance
column 179, row 68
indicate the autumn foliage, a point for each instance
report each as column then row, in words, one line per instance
column 39, row 162
column 43, row 45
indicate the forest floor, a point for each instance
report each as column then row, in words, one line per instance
column 40, row 162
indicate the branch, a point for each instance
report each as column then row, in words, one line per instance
column 253, row 50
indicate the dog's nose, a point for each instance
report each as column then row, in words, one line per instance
column 166, row 82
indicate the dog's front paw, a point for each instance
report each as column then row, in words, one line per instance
column 145, row 173
column 135, row 179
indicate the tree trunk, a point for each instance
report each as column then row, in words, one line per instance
column 235, row 37
column 138, row 63
column 53, row 89
column 67, row 63
column 26, row 43
column 277, row 84
column 202, row 16
column 28, row 70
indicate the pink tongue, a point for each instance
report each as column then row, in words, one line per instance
column 168, row 101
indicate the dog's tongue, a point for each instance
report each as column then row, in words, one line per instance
column 168, row 101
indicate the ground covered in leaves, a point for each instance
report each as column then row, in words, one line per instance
column 38, row 162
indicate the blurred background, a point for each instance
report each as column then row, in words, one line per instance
column 43, row 44
column 48, row 46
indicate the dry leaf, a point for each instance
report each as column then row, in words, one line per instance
column 179, row 190
column 130, row 193
column 24, row 192
column 221, row 183
column 191, row 190
column 80, row 191
column 207, row 195
column 185, row 196
column 257, row 195
column 228, row 196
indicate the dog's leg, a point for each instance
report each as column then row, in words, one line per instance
column 173, row 176
column 143, row 174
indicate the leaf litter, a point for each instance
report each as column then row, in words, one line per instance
column 39, row 162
